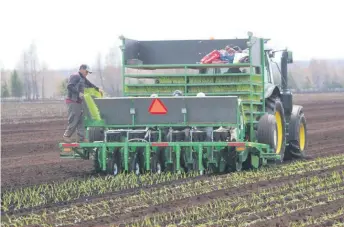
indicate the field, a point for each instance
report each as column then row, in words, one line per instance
column 39, row 189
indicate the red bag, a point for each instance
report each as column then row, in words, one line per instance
column 214, row 55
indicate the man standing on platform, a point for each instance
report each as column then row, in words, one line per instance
column 75, row 93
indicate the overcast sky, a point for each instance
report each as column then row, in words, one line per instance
column 68, row 33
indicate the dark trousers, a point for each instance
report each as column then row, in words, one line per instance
column 75, row 120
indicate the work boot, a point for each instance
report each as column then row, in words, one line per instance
column 67, row 139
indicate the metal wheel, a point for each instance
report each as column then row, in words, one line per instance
column 135, row 165
column 96, row 163
column 238, row 166
column 114, row 163
column 137, row 168
column 211, row 169
column 158, row 168
column 115, row 169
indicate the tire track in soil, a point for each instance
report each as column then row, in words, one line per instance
column 319, row 114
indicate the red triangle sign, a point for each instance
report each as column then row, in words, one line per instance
column 157, row 107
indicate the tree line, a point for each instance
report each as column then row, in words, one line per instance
column 28, row 80
column 14, row 89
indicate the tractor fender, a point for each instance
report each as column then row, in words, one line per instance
column 271, row 90
column 297, row 109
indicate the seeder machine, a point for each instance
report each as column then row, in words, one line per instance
column 210, row 116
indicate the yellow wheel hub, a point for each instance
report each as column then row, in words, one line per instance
column 279, row 131
column 302, row 136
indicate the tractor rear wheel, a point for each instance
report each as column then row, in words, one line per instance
column 274, row 106
column 297, row 137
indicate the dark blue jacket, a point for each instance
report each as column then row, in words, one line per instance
column 76, row 84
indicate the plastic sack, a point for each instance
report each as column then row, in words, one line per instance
column 225, row 56
column 209, row 58
column 239, row 56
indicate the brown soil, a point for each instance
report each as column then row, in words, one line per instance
column 30, row 154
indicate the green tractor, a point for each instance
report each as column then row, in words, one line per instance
column 191, row 115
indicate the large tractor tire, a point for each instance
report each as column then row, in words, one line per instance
column 297, row 138
column 274, row 106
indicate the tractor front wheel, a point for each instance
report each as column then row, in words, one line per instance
column 297, row 137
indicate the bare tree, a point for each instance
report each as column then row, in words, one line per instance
column 112, row 72
column 27, row 80
column 28, row 69
column 34, row 64
column 100, row 69
column 113, row 57
column 42, row 73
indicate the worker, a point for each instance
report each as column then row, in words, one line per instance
column 75, row 93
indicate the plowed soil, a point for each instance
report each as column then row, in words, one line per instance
column 30, row 153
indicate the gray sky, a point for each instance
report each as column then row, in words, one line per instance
column 68, row 33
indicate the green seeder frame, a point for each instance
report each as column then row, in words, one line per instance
column 257, row 151
column 235, row 100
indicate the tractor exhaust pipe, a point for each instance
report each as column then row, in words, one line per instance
column 284, row 70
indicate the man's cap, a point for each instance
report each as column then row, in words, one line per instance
column 86, row 67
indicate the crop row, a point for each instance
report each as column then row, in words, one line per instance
column 72, row 190
column 123, row 205
column 334, row 219
column 249, row 209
